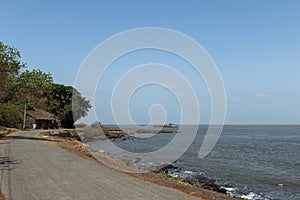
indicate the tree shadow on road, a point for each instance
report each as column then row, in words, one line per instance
column 6, row 166
column 6, row 163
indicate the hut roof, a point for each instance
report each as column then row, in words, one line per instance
column 41, row 114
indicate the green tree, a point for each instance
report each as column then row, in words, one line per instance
column 35, row 89
column 34, row 83
column 10, row 66
column 10, row 116
column 80, row 105
column 32, row 87
column 67, row 103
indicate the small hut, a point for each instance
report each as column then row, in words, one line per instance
column 40, row 119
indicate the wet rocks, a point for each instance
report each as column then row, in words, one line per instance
column 212, row 185
column 115, row 137
column 168, row 168
column 193, row 178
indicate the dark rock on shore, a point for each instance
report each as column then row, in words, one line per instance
column 193, row 179
column 212, row 185
column 167, row 131
column 168, row 168
column 115, row 137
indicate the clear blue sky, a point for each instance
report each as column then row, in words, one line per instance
column 255, row 44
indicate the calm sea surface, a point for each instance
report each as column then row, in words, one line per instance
column 259, row 162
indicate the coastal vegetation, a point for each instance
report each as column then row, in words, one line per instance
column 93, row 131
column 23, row 90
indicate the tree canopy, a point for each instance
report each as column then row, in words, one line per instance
column 67, row 103
column 10, row 66
column 37, row 90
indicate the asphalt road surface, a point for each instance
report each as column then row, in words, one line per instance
column 32, row 169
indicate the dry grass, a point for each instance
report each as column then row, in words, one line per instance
column 79, row 146
column 5, row 131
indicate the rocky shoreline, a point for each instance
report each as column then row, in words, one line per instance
column 97, row 131
column 199, row 186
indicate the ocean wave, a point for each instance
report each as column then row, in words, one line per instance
column 231, row 189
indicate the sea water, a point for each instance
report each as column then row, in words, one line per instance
column 250, row 161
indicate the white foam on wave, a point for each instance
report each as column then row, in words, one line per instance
column 249, row 196
column 189, row 172
column 253, row 196
column 235, row 192
column 229, row 189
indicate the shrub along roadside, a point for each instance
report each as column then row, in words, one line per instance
column 10, row 115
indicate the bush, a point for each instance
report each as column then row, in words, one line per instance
column 91, row 133
column 105, row 129
column 10, row 116
column 98, row 125
column 95, row 124
column 95, row 130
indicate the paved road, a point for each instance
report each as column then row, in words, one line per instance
column 32, row 169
